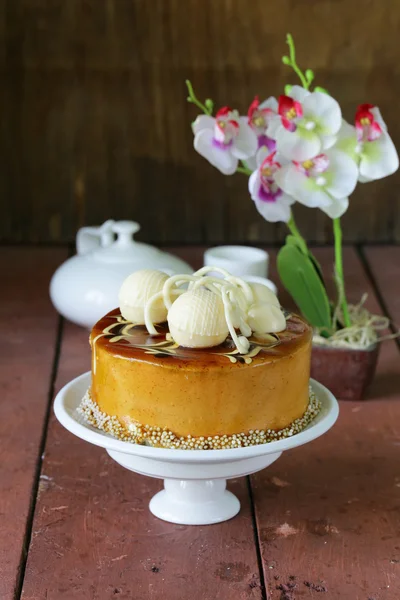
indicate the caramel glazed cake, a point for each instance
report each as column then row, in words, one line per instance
column 199, row 362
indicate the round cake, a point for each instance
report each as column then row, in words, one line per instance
column 146, row 388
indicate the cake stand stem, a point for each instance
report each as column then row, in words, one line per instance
column 194, row 502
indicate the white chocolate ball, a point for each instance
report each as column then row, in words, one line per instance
column 136, row 290
column 197, row 319
column 266, row 318
column 262, row 294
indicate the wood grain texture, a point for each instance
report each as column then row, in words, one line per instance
column 28, row 332
column 384, row 263
column 94, row 537
column 95, row 123
column 328, row 512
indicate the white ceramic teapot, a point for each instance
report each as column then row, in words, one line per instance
column 86, row 286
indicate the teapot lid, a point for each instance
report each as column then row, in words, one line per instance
column 101, row 245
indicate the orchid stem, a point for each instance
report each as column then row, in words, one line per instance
column 244, row 169
column 337, row 231
column 194, row 100
column 292, row 63
column 291, row 224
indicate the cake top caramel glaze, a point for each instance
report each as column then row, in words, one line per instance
column 127, row 340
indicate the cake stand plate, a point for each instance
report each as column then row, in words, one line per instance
column 194, row 480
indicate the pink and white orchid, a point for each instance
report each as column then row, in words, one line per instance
column 324, row 181
column 259, row 116
column 225, row 139
column 369, row 144
column 299, row 149
column 307, row 123
column 271, row 202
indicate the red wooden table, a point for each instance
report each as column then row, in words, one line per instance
column 322, row 522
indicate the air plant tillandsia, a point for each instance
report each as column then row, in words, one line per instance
column 298, row 148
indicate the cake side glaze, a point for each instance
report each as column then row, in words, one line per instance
column 200, row 392
column 137, row 433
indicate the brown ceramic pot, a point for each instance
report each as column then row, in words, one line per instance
column 346, row 373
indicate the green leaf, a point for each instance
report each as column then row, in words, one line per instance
column 288, row 89
column 317, row 267
column 294, row 241
column 321, row 89
column 301, row 279
column 286, row 60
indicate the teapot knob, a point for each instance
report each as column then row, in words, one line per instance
column 125, row 231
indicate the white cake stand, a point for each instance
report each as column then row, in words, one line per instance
column 194, row 480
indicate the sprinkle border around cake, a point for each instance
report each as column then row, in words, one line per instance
column 147, row 435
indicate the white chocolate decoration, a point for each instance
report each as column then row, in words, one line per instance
column 266, row 318
column 136, row 291
column 197, row 319
column 262, row 293
column 201, row 309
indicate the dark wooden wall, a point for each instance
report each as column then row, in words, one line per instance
column 94, row 122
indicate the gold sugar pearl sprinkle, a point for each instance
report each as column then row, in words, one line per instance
column 137, row 433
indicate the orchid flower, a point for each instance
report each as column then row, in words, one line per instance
column 259, row 116
column 324, row 181
column 307, row 123
column 270, row 200
column 298, row 149
column 225, row 139
column 369, row 144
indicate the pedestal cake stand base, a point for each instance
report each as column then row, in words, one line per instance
column 194, row 502
column 194, row 480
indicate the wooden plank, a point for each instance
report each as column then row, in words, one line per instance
column 93, row 535
column 327, row 512
column 384, row 263
column 28, row 333
column 96, row 123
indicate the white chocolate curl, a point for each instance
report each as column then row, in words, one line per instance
column 205, row 311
